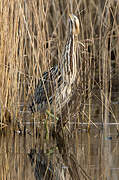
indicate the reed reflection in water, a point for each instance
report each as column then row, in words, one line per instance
column 77, row 156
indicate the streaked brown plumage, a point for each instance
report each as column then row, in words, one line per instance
column 56, row 88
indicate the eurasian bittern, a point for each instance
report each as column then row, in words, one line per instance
column 55, row 87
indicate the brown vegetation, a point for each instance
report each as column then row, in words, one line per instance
column 32, row 35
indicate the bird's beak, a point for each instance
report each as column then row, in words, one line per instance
column 71, row 16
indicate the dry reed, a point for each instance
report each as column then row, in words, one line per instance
column 32, row 35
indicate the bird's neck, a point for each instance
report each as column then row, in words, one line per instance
column 69, row 69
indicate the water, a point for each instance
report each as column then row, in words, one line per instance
column 80, row 155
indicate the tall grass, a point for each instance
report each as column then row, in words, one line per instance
column 32, row 35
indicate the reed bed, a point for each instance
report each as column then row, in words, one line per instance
column 32, row 34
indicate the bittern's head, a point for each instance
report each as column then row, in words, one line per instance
column 74, row 24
